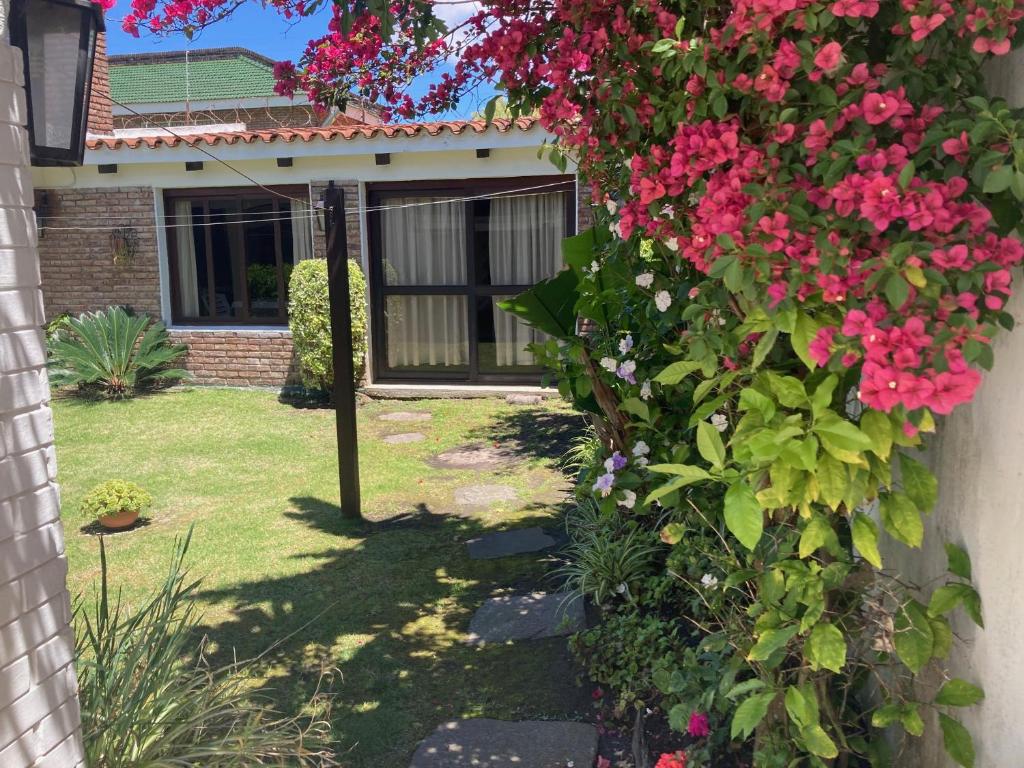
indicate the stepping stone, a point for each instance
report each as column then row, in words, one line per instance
column 406, row 416
column 524, row 399
column 482, row 495
column 505, row 543
column 525, row 617
column 480, row 456
column 405, row 437
column 483, row 743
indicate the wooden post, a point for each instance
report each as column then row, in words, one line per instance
column 341, row 335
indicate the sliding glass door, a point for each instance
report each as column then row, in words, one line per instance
column 443, row 258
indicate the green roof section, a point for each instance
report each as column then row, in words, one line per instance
column 237, row 74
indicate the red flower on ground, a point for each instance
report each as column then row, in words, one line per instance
column 671, row 760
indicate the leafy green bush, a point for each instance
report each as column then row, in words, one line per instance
column 262, row 280
column 149, row 698
column 114, row 352
column 114, row 497
column 59, row 323
column 309, row 318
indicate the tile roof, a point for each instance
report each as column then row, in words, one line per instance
column 306, row 135
column 220, row 73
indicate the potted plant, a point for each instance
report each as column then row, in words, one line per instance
column 116, row 504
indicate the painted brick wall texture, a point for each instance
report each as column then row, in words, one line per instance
column 78, row 267
column 39, row 714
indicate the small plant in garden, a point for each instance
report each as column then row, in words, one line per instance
column 115, row 503
column 309, row 318
column 113, row 352
column 149, row 697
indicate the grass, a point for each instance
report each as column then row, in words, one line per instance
column 385, row 601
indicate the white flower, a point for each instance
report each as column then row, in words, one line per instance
column 594, row 267
column 616, row 229
column 628, row 499
column 645, row 390
column 663, row 300
column 626, row 344
column 666, row 210
column 645, row 280
column 642, row 461
column 719, row 421
column 621, row 589
column 609, row 364
column 612, row 206
column 641, row 448
column 672, row 244
column 709, row 581
column 627, row 369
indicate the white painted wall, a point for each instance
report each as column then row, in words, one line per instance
column 39, row 715
column 978, row 456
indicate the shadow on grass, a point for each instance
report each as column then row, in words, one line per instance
column 389, row 607
column 534, row 432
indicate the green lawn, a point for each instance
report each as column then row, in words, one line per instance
column 386, row 601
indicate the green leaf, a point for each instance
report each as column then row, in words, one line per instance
column 818, row 743
column 549, row 306
column 710, row 446
column 826, row 648
column 745, row 687
column 750, row 713
column 902, row 519
column 677, row 371
column 764, row 346
column 804, row 331
column 821, row 399
column 907, row 174
column 998, row 180
column 840, row 433
column 752, row 400
column 942, row 635
column 913, row 637
column 958, row 741
column 865, row 538
column 685, row 475
column 959, row 693
column 770, row 641
column 673, row 533
column 919, row 483
column 878, row 428
column 959, row 561
column 637, row 407
column 815, row 534
column 944, row 599
column 743, row 514
column 885, row 716
column 789, row 390
column 802, row 706
column 832, row 480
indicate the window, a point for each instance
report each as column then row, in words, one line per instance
column 441, row 261
column 232, row 253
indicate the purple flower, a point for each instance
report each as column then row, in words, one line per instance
column 625, row 371
column 604, row 484
column 616, row 462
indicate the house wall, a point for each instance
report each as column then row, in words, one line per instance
column 39, row 713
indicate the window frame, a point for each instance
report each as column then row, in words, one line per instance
column 378, row 194
column 205, row 195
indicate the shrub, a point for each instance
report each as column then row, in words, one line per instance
column 150, row 698
column 114, row 352
column 115, row 497
column 309, row 318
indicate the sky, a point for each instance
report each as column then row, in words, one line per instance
column 259, row 29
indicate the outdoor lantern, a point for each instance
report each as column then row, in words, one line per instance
column 57, row 39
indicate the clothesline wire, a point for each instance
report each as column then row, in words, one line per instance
column 311, row 214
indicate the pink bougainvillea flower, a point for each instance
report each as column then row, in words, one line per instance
column 855, row 9
column 995, row 47
column 820, row 348
column 922, row 26
column 699, row 725
column 829, row 58
column 878, row 108
column 957, row 148
column 671, row 760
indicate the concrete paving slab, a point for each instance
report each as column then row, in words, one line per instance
column 404, row 437
column 525, row 617
column 506, row 543
column 484, row 743
column 406, row 416
column 482, row 495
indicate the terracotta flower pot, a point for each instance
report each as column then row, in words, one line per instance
column 120, row 520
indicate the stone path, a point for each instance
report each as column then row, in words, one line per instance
column 506, row 543
column 406, row 416
column 482, row 495
column 483, row 743
column 404, row 437
column 525, row 617
column 479, row 456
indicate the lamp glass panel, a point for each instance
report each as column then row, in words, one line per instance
column 53, row 37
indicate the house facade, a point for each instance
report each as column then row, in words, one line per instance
column 198, row 221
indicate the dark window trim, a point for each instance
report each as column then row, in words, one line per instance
column 204, row 195
column 378, row 194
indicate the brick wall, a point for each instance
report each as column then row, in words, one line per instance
column 256, row 119
column 39, row 714
column 239, row 358
column 101, row 119
column 353, row 234
column 78, row 268
column 584, row 207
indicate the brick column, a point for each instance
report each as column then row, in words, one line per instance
column 39, row 716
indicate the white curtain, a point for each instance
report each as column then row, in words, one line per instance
column 424, row 243
column 525, row 247
column 302, row 233
column 188, row 287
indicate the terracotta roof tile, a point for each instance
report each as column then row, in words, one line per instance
column 289, row 135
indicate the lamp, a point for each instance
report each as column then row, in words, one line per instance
column 57, row 39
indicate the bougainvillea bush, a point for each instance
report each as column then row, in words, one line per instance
column 803, row 254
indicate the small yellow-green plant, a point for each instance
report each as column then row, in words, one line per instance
column 115, row 497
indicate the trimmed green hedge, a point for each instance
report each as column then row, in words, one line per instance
column 309, row 319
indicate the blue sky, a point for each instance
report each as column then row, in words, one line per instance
column 250, row 26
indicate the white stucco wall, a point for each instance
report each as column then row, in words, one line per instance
column 978, row 456
column 39, row 715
